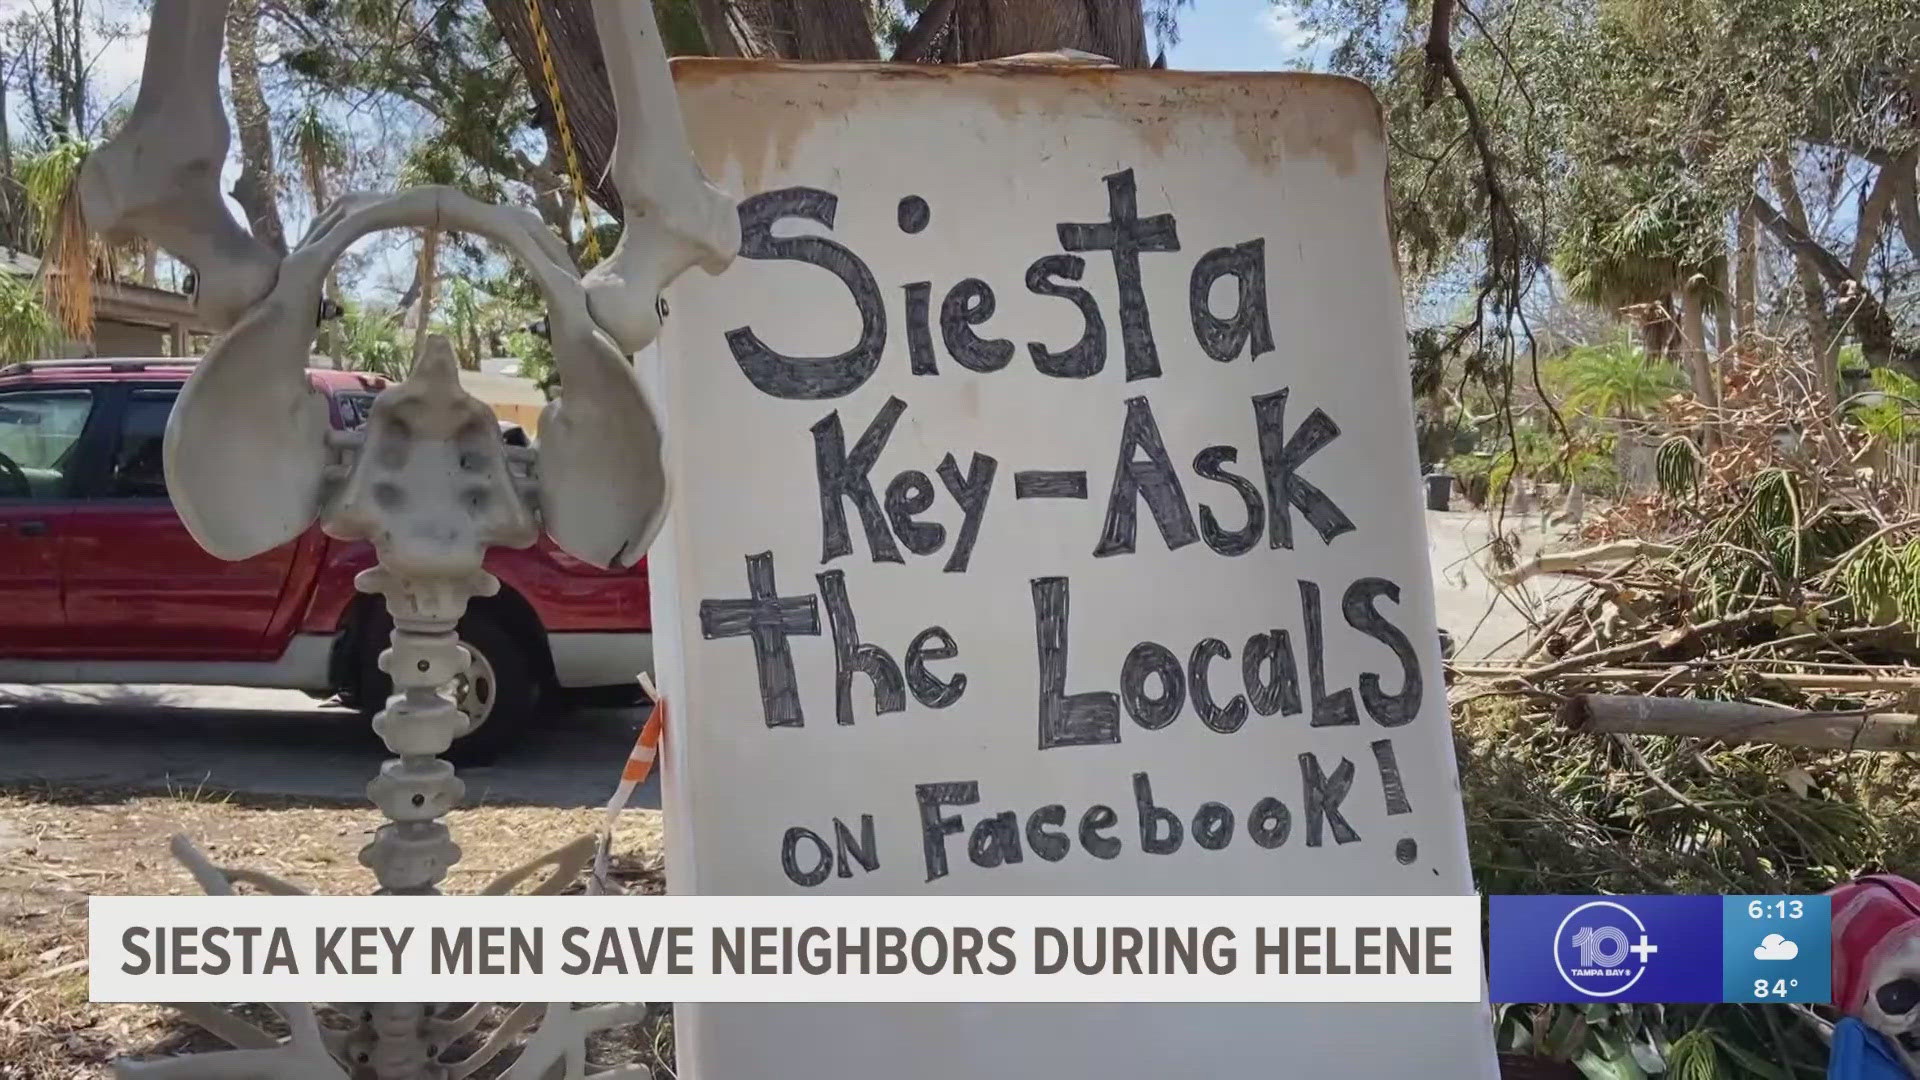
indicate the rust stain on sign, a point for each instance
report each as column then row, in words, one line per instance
column 1274, row 115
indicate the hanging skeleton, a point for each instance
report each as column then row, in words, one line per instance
column 251, row 462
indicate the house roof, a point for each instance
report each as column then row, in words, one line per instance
column 120, row 301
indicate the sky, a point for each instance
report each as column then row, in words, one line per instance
column 1243, row 35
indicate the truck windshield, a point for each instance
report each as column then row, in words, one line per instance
column 354, row 409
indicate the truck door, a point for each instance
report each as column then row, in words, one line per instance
column 138, row 586
column 40, row 433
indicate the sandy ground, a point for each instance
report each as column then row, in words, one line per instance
column 60, row 844
column 278, row 742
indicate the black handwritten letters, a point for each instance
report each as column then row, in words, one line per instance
column 970, row 303
column 1155, row 686
column 1266, row 486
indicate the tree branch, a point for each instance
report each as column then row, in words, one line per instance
column 582, row 74
column 913, row 47
column 1802, row 245
column 1873, row 214
column 1439, row 50
column 717, row 26
column 1907, row 210
column 1858, row 306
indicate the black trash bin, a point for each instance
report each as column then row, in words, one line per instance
column 1439, row 490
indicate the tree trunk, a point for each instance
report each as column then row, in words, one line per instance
column 257, row 187
column 1700, row 370
column 1659, row 331
column 1723, row 316
column 67, row 65
column 429, row 261
column 329, row 338
column 720, row 26
column 1856, row 309
column 1907, row 209
column 1875, row 210
column 813, row 29
column 1813, row 296
column 582, row 74
column 987, row 29
column 11, row 202
column 1746, row 276
column 794, row 29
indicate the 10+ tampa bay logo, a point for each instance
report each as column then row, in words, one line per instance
column 1602, row 949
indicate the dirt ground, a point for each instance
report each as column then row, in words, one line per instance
column 59, row 845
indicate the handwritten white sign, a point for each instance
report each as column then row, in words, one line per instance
column 1045, row 523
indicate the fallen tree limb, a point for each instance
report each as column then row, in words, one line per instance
column 1666, row 639
column 1695, row 675
column 1562, row 561
column 1735, row 722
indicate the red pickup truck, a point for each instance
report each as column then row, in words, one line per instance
column 100, row 582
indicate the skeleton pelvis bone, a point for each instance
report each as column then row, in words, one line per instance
column 247, row 445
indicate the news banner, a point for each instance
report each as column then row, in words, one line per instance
column 1672, row 949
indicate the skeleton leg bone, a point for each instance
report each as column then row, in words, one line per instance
column 159, row 176
column 675, row 219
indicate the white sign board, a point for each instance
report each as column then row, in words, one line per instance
column 1044, row 524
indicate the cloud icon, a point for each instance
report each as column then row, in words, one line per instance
column 1775, row 947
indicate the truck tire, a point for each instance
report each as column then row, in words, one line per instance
column 501, row 685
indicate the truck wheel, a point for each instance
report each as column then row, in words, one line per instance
column 499, row 692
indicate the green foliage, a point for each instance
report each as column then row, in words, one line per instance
column 441, row 161
column 680, row 31
column 1627, row 132
column 1882, row 579
column 449, row 61
column 1587, row 461
column 462, row 321
column 27, row 330
column 1627, row 246
column 1677, row 466
column 45, row 175
column 535, row 354
column 1895, row 416
column 319, row 148
column 1617, row 380
column 1549, row 811
column 368, row 340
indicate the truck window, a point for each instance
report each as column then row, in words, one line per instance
column 38, row 430
column 354, row 409
column 137, row 472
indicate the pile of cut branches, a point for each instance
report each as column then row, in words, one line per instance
column 1717, row 696
column 1771, row 564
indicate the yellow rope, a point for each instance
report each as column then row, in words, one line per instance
column 566, row 132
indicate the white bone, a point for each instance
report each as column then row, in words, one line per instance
column 224, row 1025
column 246, row 445
column 430, row 485
column 566, row 863
column 675, row 219
column 561, row 1040
column 501, row 1037
column 159, row 176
